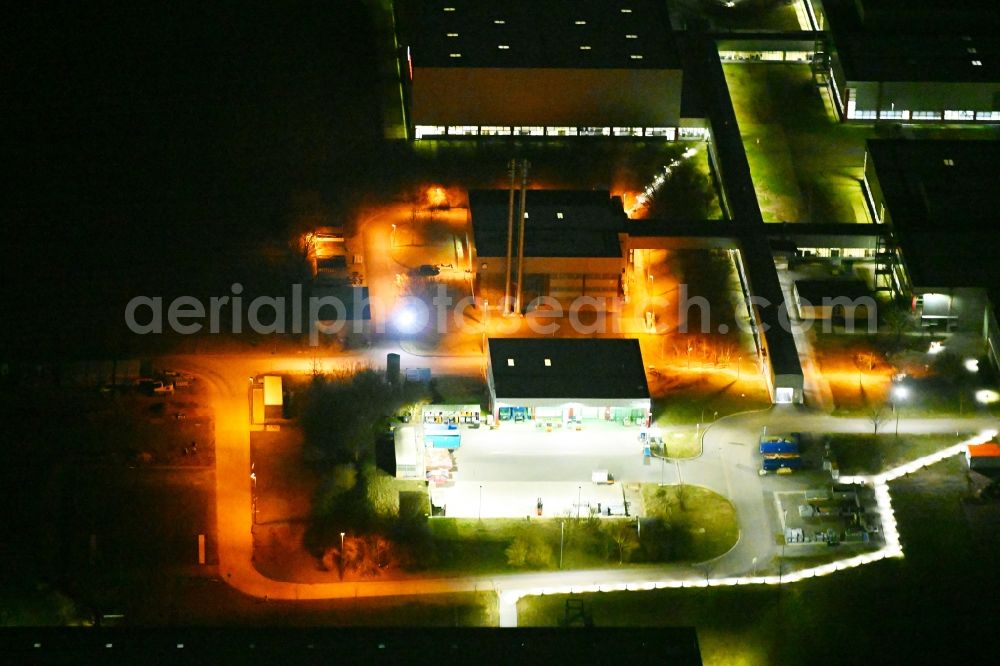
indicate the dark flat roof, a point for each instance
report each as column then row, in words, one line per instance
column 632, row 34
column 614, row 368
column 417, row 646
column 928, row 16
column 815, row 291
column 944, row 214
column 895, row 43
column 560, row 223
column 702, row 60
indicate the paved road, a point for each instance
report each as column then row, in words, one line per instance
column 730, row 441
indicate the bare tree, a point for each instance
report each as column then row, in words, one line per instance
column 624, row 536
column 877, row 414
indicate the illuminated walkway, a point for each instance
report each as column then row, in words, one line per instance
column 890, row 534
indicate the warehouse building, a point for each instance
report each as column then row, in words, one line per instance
column 538, row 379
column 937, row 200
column 573, row 245
column 555, row 68
column 913, row 62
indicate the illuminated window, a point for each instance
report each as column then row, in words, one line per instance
column 526, row 215
column 971, row 49
column 493, row 130
column 635, row 56
column 452, row 34
column 529, row 131
column 626, row 11
column 559, row 216
column 454, row 55
column 430, row 130
column 959, row 115
column 500, row 22
column 548, row 363
column 949, row 162
column 631, row 36
column 584, row 48
column 510, row 362
column 977, row 63
column 580, row 22
column 449, row 9
column 503, row 47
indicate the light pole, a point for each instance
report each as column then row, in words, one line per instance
column 342, row 555
column 253, row 497
column 562, row 533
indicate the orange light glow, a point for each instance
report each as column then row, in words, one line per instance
column 436, row 197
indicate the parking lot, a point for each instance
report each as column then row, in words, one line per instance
column 502, row 473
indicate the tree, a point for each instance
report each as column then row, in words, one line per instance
column 877, row 414
column 340, row 480
column 343, row 416
column 623, row 534
column 898, row 320
column 529, row 549
column 380, row 493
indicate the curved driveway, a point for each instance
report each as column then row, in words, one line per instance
column 730, row 441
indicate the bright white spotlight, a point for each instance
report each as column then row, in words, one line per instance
column 972, row 364
column 407, row 316
column 987, row 396
column 900, row 393
column 936, row 348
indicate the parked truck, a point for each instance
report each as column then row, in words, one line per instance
column 788, row 462
column 779, row 445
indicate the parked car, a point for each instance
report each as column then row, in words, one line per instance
column 155, row 387
column 602, row 476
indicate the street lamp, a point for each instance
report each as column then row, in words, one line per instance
column 342, row 554
column 392, row 237
column 562, row 533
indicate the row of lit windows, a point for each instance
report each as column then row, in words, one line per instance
column 893, row 114
column 766, row 56
column 453, row 35
column 669, row 133
column 584, row 47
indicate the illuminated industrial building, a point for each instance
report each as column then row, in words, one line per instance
column 539, row 379
column 557, row 68
column 937, row 200
column 573, row 244
column 914, row 62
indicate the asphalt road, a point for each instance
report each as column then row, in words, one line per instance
column 727, row 466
